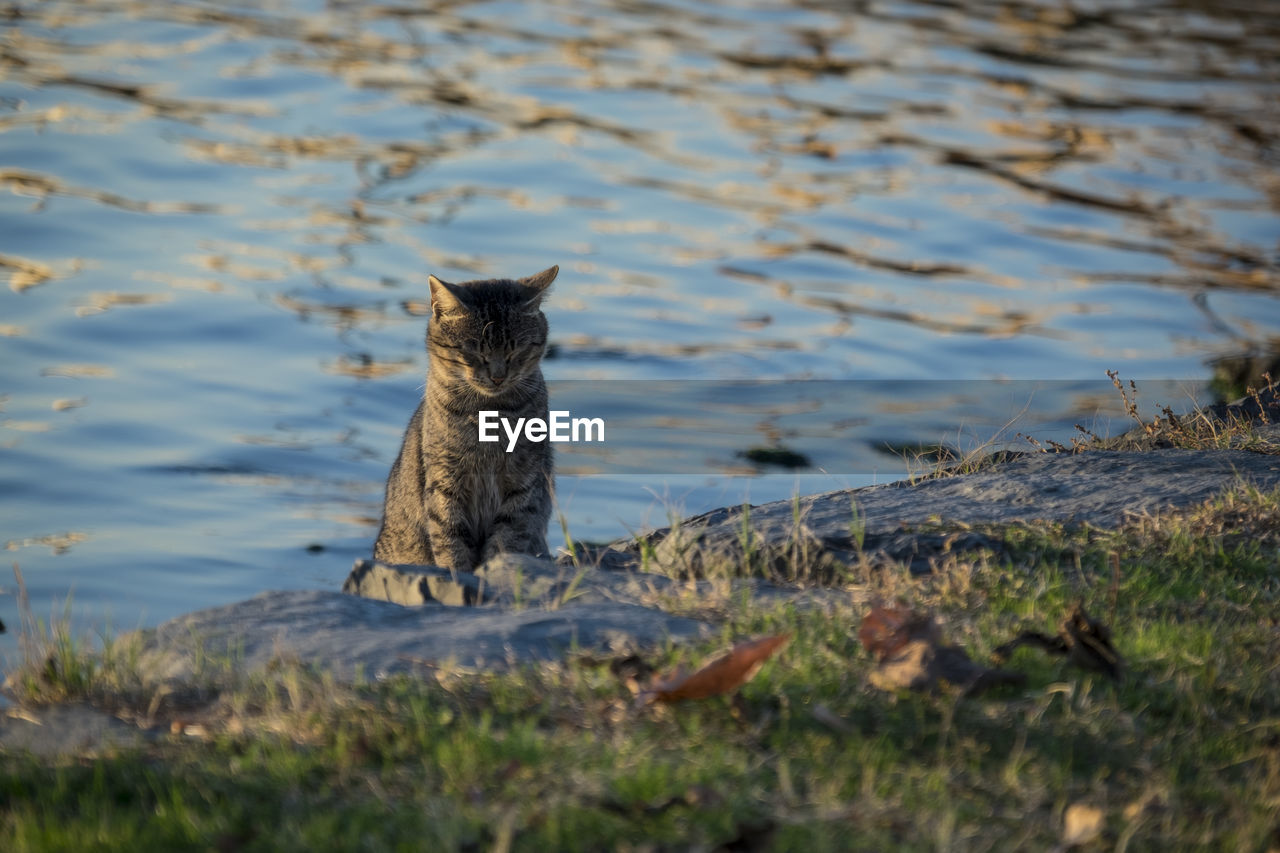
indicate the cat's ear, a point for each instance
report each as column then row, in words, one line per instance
column 445, row 298
column 536, row 286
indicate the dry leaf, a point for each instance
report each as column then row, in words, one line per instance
column 1084, row 640
column 886, row 630
column 911, row 655
column 1089, row 643
column 725, row 673
column 927, row 665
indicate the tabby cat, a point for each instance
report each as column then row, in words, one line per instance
column 452, row 500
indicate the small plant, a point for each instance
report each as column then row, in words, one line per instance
column 58, row 666
column 857, row 527
column 747, row 540
column 930, row 462
column 571, row 591
column 1256, row 394
column 568, row 540
column 643, row 544
column 677, row 555
column 576, row 557
column 1217, row 427
column 647, row 552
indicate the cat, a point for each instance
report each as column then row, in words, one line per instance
column 451, row 500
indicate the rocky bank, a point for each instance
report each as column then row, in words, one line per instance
column 415, row 619
column 394, row 619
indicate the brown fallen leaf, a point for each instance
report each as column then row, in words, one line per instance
column 912, row 655
column 1084, row 640
column 1089, row 642
column 724, row 673
column 885, row 630
column 928, row 666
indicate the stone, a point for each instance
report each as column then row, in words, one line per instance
column 1101, row 488
column 72, row 729
column 518, row 608
column 507, row 580
column 351, row 636
column 412, row 585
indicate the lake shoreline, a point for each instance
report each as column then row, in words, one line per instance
column 615, row 607
column 563, row 731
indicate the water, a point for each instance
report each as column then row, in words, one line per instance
column 220, row 218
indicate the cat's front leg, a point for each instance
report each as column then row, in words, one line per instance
column 452, row 536
column 520, row 526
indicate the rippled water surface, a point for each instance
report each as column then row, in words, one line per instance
column 220, row 217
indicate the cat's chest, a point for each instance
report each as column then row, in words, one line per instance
column 480, row 477
column 485, row 469
column 481, row 492
column 479, row 472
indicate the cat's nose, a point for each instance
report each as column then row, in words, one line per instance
column 497, row 371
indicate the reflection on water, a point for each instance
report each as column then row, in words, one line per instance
column 843, row 429
column 218, row 219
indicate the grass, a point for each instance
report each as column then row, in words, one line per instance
column 1182, row 754
column 59, row 665
column 793, row 556
column 1202, row 428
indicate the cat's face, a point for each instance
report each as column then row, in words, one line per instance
column 488, row 335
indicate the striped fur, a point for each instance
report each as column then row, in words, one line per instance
column 451, row 500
